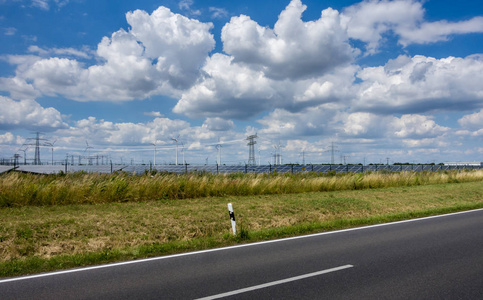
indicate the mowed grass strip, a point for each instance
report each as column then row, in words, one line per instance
column 42, row 238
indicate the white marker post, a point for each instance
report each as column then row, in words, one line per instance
column 232, row 218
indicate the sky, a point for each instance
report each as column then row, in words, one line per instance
column 377, row 81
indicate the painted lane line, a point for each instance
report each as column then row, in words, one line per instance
column 261, row 286
column 231, row 247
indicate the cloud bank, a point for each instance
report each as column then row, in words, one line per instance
column 294, row 79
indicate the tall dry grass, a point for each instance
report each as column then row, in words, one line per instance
column 18, row 189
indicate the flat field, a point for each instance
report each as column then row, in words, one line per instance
column 36, row 237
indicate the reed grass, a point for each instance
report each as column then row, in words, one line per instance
column 18, row 189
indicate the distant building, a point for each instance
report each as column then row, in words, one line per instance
column 464, row 163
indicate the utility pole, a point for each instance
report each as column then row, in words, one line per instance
column 251, row 149
column 51, row 145
column 24, row 155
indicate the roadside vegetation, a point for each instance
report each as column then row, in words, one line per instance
column 19, row 189
column 50, row 222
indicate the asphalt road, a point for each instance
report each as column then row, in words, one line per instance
column 431, row 258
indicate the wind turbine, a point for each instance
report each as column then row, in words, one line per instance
column 218, row 147
column 154, row 144
column 176, row 141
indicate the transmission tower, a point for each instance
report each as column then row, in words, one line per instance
column 37, row 145
column 16, row 159
column 251, row 149
column 277, row 157
column 332, row 150
column 37, row 150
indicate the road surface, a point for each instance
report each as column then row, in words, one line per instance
column 430, row 258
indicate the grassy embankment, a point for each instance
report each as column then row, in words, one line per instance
column 54, row 222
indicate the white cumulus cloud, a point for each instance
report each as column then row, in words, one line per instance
column 161, row 53
column 218, row 124
column 422, row 84
column 410, row 126
column 293, row 48
column 370, row 20
column 472, row 121
column 366, row 125
column 229, row 90
column 179, row 44
column 416, row 126
column 28, row 114
column 7, row 138
column 430, row 32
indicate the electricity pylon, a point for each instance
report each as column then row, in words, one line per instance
column 251, row 149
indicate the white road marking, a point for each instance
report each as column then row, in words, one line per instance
column 261, row 286
column 229, row 248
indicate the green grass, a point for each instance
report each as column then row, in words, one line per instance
column 44, row 238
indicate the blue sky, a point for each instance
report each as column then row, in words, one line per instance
column 381, row 79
